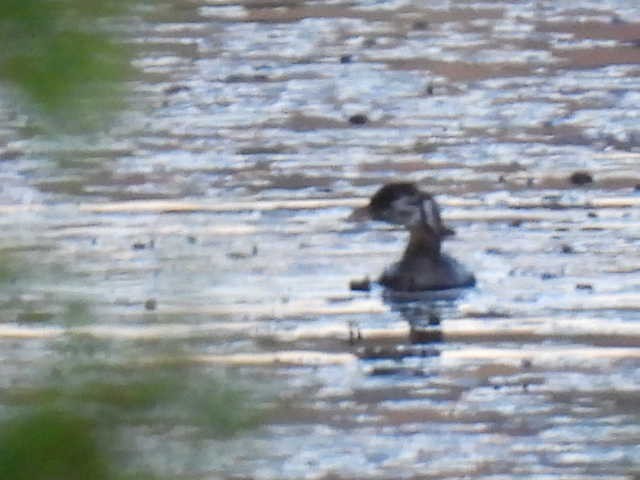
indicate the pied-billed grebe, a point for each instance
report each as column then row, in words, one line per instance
column 423, row 266
column 395, row 203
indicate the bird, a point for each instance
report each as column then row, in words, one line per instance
column 423, row 266
column 392, row 203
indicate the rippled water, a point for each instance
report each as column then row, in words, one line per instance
column 224, row 195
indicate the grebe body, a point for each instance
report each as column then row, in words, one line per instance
column 423, row 266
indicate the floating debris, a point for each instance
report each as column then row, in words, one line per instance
column 358, row 119
column 581, row 178
column 396, row 352
column 549, row 276
column 174, row 89
column 242, row 255
column 420, row 25
column 142, row 246
column 383, row 371
column 567, row 248
column 151, row 304
column 360, row 285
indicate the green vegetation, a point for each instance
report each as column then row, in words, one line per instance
column 49, row 444
column 59, row 58
column 79, row 417
column 82, row 415
column 124, row 394
column 10, row 270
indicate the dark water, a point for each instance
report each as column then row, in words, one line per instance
column 224, row 195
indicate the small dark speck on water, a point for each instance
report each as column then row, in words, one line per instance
column 361, row 285
column 420, row 25
column 150, row 304
column 172, row 90
column 358, row 119
column 369, row 42
column 142, row 245
column 381, row 371
column 346, row 59
column 584, row 286
column 191, row 239
column 241, row 255
column 581, row 178
column 526, row 363
column 515, row 223
column 548, row 276
column 592, row 215
column 430, row 89
column 637, row 187
column 567, row 248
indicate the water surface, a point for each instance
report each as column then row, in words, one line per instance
column 223, row 196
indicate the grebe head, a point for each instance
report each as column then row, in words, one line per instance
column 392, row 201
column 397, row 203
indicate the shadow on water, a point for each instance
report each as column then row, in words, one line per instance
column 424, row 314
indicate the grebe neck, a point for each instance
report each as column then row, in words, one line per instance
column 422, row 242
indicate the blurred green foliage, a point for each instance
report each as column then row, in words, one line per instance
column 73, row 415
column 61, row 59
column 9, row 270
column 120, row 397
column 64, row 61
column 50, row 444
column 79, row 419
